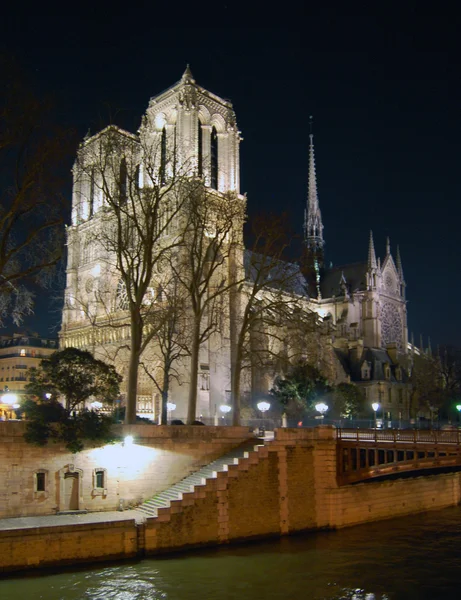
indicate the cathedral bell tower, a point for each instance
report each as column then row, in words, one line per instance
column 194, row 132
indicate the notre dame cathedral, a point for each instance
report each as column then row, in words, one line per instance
column 360, row 308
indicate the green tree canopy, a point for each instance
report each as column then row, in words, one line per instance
column 77, row 376
column 48, row 420
column 348, row 401
column 301, row 388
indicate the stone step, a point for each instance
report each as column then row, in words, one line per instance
column 197, row 479
column 171, row 495
column 182, row 488
column 157, row 503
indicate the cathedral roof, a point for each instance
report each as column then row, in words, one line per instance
column 280, row 274
column 353, row 274
column 376, row 358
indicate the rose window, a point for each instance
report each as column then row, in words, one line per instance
column 391, row 325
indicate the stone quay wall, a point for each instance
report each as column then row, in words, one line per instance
column 30, row 548
column 286, row 486
column 132, row 473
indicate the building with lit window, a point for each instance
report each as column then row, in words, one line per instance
column 18, row 354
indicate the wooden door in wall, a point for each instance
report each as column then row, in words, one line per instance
column 71, row 485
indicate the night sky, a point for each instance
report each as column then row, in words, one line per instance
column 384, row 93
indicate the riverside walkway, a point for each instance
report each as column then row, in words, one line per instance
column 74, row 518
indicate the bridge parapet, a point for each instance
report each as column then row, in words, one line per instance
column 368, row 454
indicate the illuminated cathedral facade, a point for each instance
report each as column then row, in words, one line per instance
column 361, row 307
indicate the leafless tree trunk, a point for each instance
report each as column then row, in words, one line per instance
column 137, row 229
column 266, row 301
column 214, row 223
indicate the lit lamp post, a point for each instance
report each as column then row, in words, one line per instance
column 170, row 406
column 322, row 408
column 225, row 409
column 263, row 407
column 375, row 407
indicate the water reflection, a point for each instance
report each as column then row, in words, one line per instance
column 408, row 558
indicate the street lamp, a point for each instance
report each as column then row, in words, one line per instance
column 375, row 407
column 322, row 408
column 263, row 406
column 225, row 409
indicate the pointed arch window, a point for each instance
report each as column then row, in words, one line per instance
column 123, row 181
column 214, row 158
column 163, row 157
column 200, row 150
column 92, row 193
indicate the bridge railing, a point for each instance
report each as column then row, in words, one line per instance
column 366, row 454
column 415, row 436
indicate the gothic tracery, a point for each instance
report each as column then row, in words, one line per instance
column 391, row 325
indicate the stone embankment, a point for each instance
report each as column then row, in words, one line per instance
column 284, row 486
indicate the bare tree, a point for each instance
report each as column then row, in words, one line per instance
column 170, row 341
column 33, row 153
column 212, row 237
column 436, row 380
column 263, row 308
column 135, row 196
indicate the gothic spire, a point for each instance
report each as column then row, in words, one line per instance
column 388, row 246
column 313, row 227
column 187, row 75
column 371, row 253
column 399, row 265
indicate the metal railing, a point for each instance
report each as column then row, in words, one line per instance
column 395, row 436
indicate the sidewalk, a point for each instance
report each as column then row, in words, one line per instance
column 75, row 519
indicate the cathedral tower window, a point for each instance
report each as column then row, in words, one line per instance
column 214, row 158
column 92, row 193
column 123, row 181
column 200, row 150
column 163, row 157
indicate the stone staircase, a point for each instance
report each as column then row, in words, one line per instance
column 198, row 478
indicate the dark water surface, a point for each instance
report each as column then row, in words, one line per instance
column 406, row 558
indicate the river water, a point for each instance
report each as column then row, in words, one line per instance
column 406, row 558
